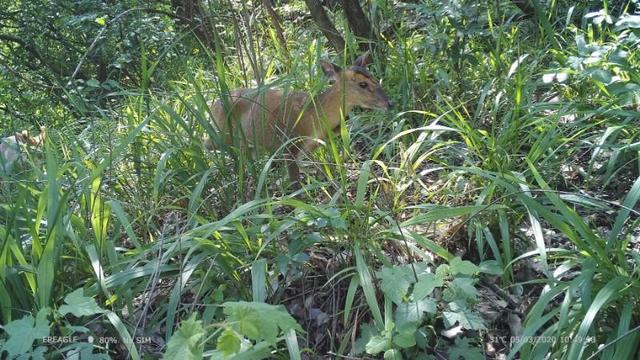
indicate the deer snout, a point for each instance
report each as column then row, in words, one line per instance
column 382, row 101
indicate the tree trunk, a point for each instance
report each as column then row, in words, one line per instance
column 359, row 23
column 275, row 21
column 325, row 24
column 191, row 14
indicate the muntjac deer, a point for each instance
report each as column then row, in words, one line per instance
column 270, row 118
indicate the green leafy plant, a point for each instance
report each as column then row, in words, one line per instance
column 411, row 289
column 34, row 337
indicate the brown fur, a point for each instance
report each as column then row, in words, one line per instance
column 25, row 138
column 268, row 119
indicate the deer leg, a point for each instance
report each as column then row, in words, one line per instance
column 293, row 168
column 293, row 154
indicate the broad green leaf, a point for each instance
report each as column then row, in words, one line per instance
column 465, row 267
column 467, row 318
column 393, row 354
column 261, row 350
column 377, row 344
column 413, row 311
column 427, row 282
column 405, row 335
column 600, row 75
column 259, row 321
column 22, row 333
column 228, row 342
column 79, row 305
column 395, row 282
column 186, row 342
column 367, row 331
column 490, row 267
column 460, row 289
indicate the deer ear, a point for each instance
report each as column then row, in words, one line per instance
column 362, row 60
column 330, row 70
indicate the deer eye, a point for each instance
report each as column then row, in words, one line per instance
column 363, row 85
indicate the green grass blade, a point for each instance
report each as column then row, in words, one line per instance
column 366, row 281
column 116, row 207
column 629, row 203
column 348, row 301
column 259, row 280
column 121, row 329
column 607, row 294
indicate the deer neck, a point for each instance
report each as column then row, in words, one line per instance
column 333, row 105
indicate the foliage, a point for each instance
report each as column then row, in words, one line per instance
column 252, row 321
column 29, row 337
column 23, row 332
column 408, row 327
column 186, row 343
